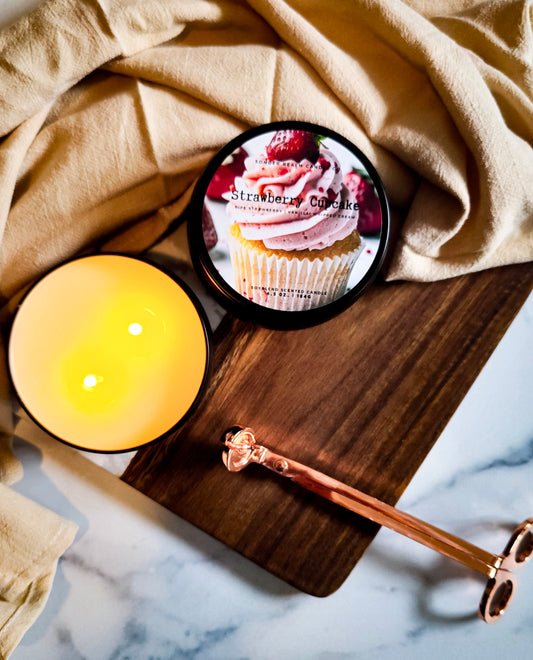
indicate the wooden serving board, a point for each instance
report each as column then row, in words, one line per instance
column 362, row 397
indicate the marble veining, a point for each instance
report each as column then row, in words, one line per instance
column 139, row 583
column 515, row 457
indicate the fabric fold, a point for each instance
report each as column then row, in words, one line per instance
column 32, row 539
column 438, row 97
column 110, row 110
column 46, row 53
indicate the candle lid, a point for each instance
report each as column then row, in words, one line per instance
column 289, row 224
column 109, row 352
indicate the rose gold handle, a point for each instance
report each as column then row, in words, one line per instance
column 243, row 450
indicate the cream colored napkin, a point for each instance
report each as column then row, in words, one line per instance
column 32, row 539
column 110, row 109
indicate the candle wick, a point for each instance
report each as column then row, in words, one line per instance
column 90, row 380
column 135, row 329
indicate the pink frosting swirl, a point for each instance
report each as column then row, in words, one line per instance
column 293, row 206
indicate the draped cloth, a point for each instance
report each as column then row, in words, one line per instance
column 110, row 109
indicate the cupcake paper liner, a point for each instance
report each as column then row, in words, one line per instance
column 290, row 283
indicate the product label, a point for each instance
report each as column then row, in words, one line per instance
column 292, row 219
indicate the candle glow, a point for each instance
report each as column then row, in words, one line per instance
column 108, row 352
column 135, row 329
column 90, row 380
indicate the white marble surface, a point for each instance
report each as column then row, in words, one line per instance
column 138, row 582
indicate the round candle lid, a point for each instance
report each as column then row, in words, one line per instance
column 289, row 224
column 108, row 352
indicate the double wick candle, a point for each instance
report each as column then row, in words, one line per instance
column 108, row 352
column 242, row 449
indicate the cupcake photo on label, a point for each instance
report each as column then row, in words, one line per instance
column 292, row 219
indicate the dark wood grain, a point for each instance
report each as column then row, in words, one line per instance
column 362, row 397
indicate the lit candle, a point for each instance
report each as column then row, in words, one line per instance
column 108, row 352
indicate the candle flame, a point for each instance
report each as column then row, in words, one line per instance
column 90, row 380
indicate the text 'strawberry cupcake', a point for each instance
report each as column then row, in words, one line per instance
column 293, row 236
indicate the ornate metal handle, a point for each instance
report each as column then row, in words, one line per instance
column 242, row 449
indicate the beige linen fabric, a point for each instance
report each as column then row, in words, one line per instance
column 32, row 539
column 110, row 109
